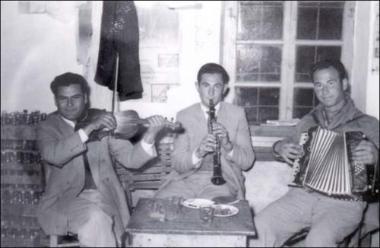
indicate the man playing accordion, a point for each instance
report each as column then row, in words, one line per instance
column 329, row 218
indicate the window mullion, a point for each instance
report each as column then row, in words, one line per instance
column 229, row 49
column 347, row 37
column 288, row 60
column 258, row 84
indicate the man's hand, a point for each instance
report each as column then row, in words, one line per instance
column 365, row 153
column 104, row 120
column 222, row 133
column 156, row 124
column 208, row 144
column 288, row 150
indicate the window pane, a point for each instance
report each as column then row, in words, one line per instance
column 260, row 20
column 323, row 4
column 320, row 20
column 256, row 117
column 246, row 97
column 330, row 24
column 307, row 24
column 261, row 104
column 258, row 63
column 299, row 112
column 268, row 113
column 269, row 96
column 306, row 56
column 304, row 101
column 251, row 114
column 303, row 97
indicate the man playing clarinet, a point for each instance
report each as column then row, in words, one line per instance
column 328, row 218
column 209, row 157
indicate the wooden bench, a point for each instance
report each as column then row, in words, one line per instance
column 151, row 175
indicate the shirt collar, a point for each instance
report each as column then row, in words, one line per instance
column 205, row 109
column 348, row 112
column 71, row 123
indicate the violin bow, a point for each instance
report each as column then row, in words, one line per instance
column 114, row 98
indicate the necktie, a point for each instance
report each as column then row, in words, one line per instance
column 88, row 179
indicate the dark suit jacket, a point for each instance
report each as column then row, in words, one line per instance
column 195, row 124
column 61, row 148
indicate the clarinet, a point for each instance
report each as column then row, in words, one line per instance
column 217, row 177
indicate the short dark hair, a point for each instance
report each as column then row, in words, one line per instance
column 67, row 79
column 213, row 68
column 324, row 64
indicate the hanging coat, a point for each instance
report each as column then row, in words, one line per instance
column 120, row 36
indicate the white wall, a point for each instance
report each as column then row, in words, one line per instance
column 199, row 44
column 365, row 83
column 34, row 49
column 372, row 104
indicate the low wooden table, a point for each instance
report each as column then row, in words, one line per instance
column 185, row 228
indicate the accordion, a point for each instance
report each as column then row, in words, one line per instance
column 327, row 167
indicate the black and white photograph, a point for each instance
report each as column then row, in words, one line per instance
column 190, row 124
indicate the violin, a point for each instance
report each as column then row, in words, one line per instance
column 128, row 124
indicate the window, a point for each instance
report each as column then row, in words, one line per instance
column 269, row 47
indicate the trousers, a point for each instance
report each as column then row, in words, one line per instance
column 330, row 220
column 87, row 218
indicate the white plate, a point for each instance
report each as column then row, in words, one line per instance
column 224, row 210
column 197, row 203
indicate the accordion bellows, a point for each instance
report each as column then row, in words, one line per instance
column 327, row 166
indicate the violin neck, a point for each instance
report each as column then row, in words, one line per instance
column 169, row 124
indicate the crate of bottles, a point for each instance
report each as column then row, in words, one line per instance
column 22, row 179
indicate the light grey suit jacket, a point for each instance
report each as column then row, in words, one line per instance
column 233, row 118
column 61, row 148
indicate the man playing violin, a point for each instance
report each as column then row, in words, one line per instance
column 194, row 150
column 83, row 194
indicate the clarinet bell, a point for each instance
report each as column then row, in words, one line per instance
column 218, row 180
